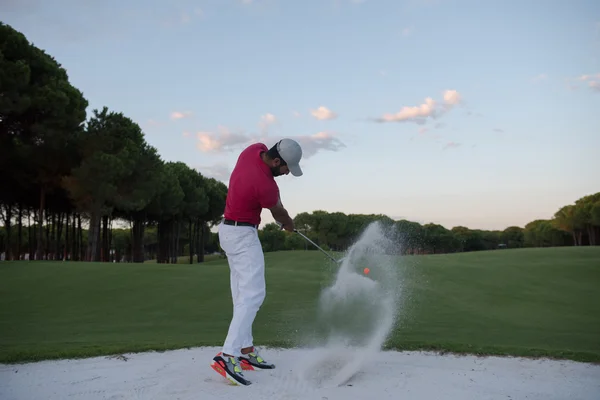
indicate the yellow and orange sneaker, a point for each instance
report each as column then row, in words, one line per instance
column 229, row 368
column 253, row 360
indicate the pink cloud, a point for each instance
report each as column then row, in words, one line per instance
column 180, row 114
column 323, row 113
column 265, row 121
column 428, row 109
column 451, row 97
column 225, row 140
column 592, row 81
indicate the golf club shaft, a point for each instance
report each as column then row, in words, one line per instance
column 314, row 244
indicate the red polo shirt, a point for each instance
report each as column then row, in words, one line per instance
column 252, row 187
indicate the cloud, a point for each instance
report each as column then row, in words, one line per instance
column 499, row 130
column 451, row 97
column 267, row 119
column 323, row 113
column 312, row 144
column 407, row 31
column 428, row 109
column 296, row 114
column 221, row 141
column 219, row 171
column 417, row 114
column 224, row 140
column 180, row 114
column 593, row 81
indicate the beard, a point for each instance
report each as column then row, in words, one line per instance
column 276, row 171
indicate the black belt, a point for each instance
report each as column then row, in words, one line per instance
column 238, row 223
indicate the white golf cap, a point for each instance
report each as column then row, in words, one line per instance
column 291, row 152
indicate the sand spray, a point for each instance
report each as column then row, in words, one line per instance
column 357, row 312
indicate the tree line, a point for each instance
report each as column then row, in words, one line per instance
column 576, row 224
column 92, row 189
column 66, row 179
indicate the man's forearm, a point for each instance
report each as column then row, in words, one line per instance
column 282, row 216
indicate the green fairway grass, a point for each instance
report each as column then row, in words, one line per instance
column 525, row 302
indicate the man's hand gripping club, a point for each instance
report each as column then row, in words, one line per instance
column 282, row 217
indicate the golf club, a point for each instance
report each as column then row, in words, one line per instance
column 314, row 244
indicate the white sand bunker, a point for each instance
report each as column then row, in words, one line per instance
column 186, row 374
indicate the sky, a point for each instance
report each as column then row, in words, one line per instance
column 483, row 114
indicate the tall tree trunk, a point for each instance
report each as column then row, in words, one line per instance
column 138, row 239
column 173, row 252
column 99, row 240
column 175, row 240
column 158, row 243
column 79, row 239
column 105, row 245
column 40, row 238
column 198, row 240
column 7, row 224
column 20, row 231
column 110, row 239
column 47, row 232
column 591, row 235
column 191, row 240
column 200, row 246
column 178, row 234
column 74, row 256
column 574, row 238
column 31, row 234
column 52, row 241
column 59, row 228
column 168, row 243
column 162, row 227
column 165, row 241
column 93, row 236
column 67, row 243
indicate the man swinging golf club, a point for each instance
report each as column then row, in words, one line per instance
column 252, row 187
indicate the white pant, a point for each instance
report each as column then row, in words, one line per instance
column 248, row 288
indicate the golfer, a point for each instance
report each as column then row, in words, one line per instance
column 252, row 188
